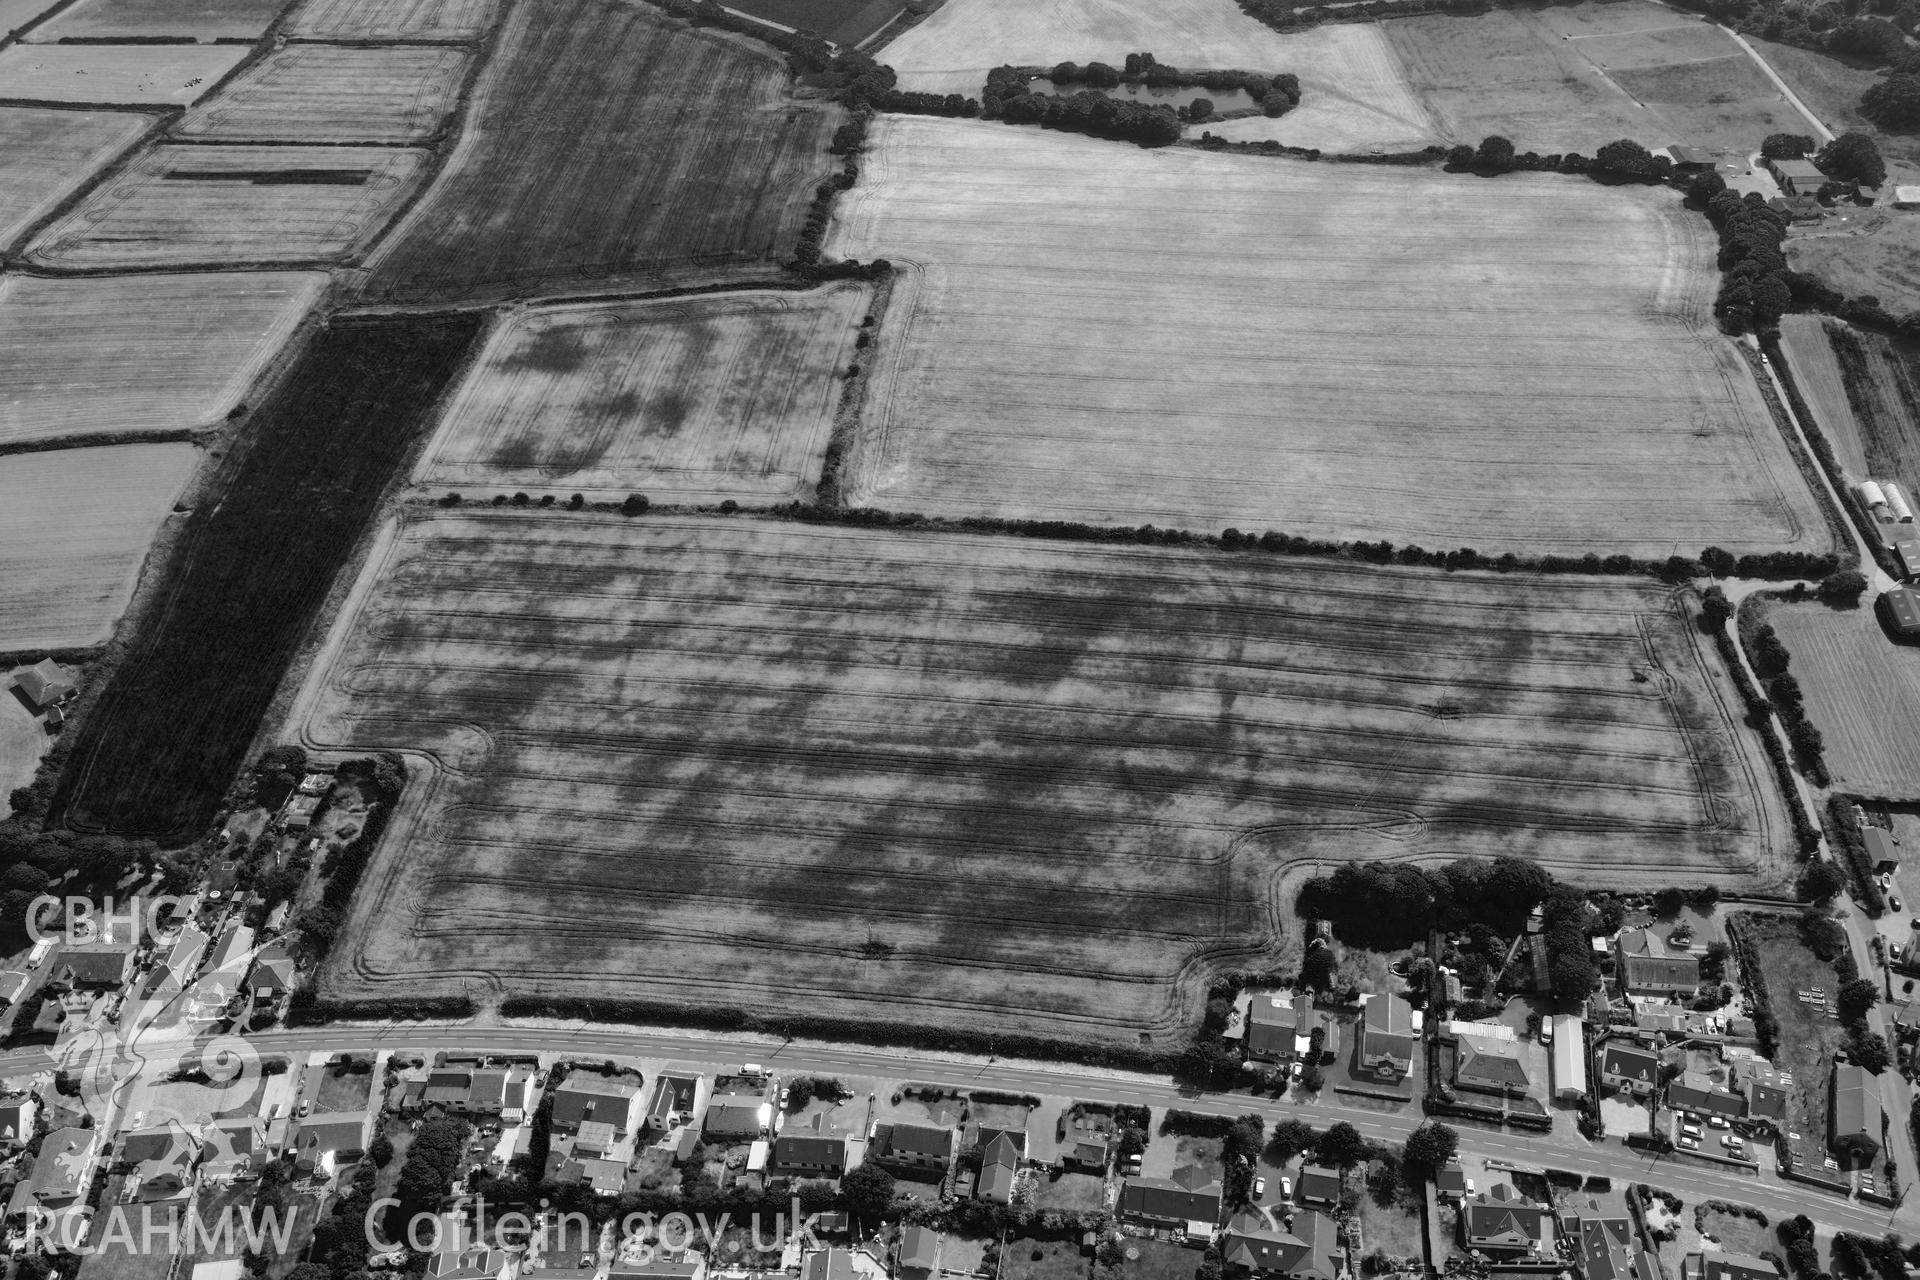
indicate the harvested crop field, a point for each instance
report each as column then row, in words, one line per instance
column 46, row 154
column 691, row 401
column 204, row 20
column 147, row 353
column 176, row 206
column 160, row 748
column 15, row 14
column 74, row 529
column 838, row 21
column 1816, row 370
column 1571, row 78
column 160, row 74
column 392, row 19
column 1056, row 782
column 1522, row 365
column 335, row 93
column 1863, row 694
column 609, row 144
column 1354, row 92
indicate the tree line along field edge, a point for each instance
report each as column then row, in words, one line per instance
column 232, row 603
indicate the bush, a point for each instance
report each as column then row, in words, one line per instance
column 1852, row 157
column 636, row 504
column 1843, row 586
column 1787, row 146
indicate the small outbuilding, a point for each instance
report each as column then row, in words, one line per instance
column 1798, row 210
column 1906, row 197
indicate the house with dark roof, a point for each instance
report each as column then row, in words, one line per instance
column 1310, row 1251
column 325, row 1142
column 1384, row 1048
column 1318, row 1186
column 587, row 1095
column 447, row 1089
column 1695, row 1091
column 688, row 1266
column 1853, row 1113
column 670, row 1094
column 63, row 1167
column 829, row 1264
column 233, row 1147
column 1280, row 1027
column 1189, row 1199
column 1501, row 1224
column 476, row 1262
column 1608, row 1249
column 1648, row 967
column 1451, row 1182
column 94, row 966
column 811, row 1155
column 1090, row 1157
column 1767, row 1090
column 1489, row 1066
column 1715, row 1264
column 1629, row 1068
column 46, row 684
column 1883, row 851
column 919, row 1256
column 273, row 972
column 999, row 1163
column 918, row 1150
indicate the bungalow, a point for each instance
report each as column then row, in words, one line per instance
column 587, row 1095
column 1694, row 1091
column 1310, row 1251
column 736, row 1116
column 327, row 1141
column 605, row 1177
column 1501, row 1224
column 63, row 1167
column 1797, row 177
column 814, row 1156
column 162, row 1158
column 1714, row 1264
column 1318, row 1186
column 915, row 1149
column 1854, row 1120
column 1090, row 1157
column 688, row 1266
column 919, row 1257
column 999, row 1165
column 94, row 966
column 1648, row 967
column 1385, row 1044
column 1629, row 1068
column 46, row 684
column 1190, row 1199
column 233, row 1148
column 1489, row 1066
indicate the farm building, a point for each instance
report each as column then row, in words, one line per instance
column 1797, row 209
column 46, row 684
column 1704, row 159
column 1569, row 1058
column 1906, row 197
column 1853, row 1113
column 1905, row 545
column 1797, row 177
column 1897, row 502
column 1899, row 611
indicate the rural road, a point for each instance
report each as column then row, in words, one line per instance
column 1693, row 1180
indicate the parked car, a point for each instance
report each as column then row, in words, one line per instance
column 1718, row 1122
column 1688, row 1141
column 1298, row 1068
column 1546, row 1033
column 1689, row 1128
column 1259, row 1187
column 1286, row 1188
column 1893, row 902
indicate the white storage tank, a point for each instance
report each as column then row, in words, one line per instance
column 1872, row 495
column 1897, row 503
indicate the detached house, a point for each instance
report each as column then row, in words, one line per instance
column 1384, row 1048
column 1310, row 1251
column 1500, row 1224
column 1489, row 1066
column 1648, row 967
column 1630, row 1068
column 918, row 1150
column 999, row 1163
column 810, row 1155
column 1609, row 1250
column 326, row 1142
column 16, row 1120
column 1189, row 1199
column 585, row 1096
column 1694, row 1091
column 1767, row 1090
